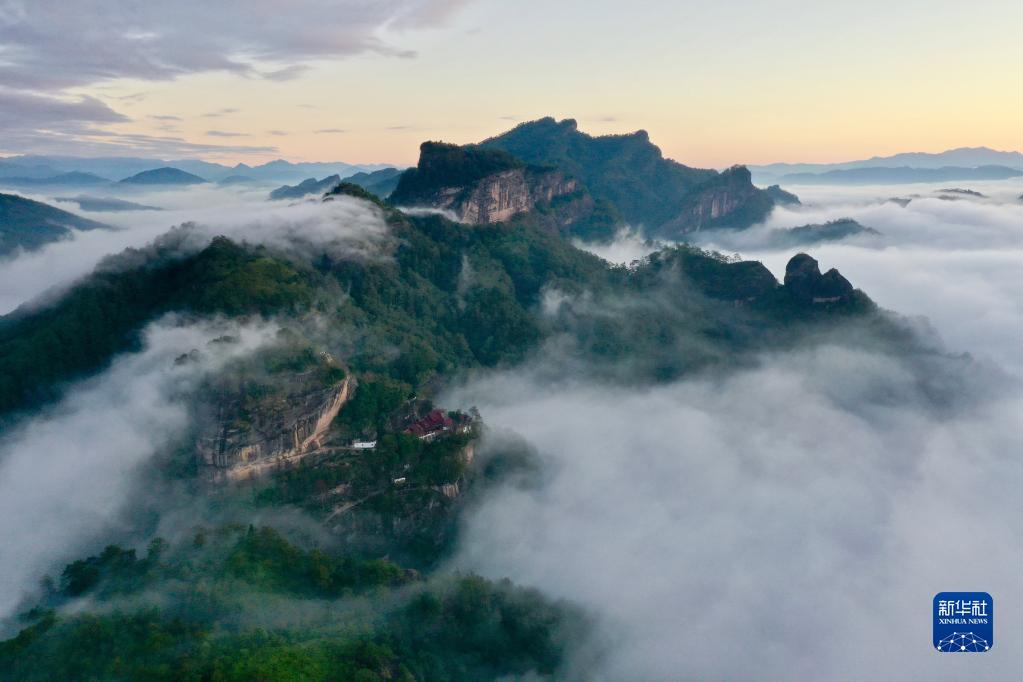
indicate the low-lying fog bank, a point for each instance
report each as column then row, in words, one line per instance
column 67, row 473
column 789, row 522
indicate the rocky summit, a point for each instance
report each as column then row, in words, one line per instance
column 588, row 186
column 479, row 186
column 804, row 280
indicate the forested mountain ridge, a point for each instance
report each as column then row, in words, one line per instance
column 418, row 301
column 581, row 185
column 30, row 225
column 481, row 186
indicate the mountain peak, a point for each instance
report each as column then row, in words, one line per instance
column 625, row 177
column 163, row 176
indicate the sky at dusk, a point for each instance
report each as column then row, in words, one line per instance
column 366, row 82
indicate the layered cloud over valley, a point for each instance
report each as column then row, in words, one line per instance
column 793, row 520
column 787, row 522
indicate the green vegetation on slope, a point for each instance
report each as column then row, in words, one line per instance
column 247, row 604
column 30, row 225
column 451, row 299
column 76, row 335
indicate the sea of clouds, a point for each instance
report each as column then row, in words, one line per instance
column 792, row 521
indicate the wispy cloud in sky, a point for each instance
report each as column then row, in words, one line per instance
column 50, row 47
column 162, row 41
column 220, row 112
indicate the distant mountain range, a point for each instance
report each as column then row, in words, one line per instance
column 381, row 183
column 49, row 169
column 69, row 179
column 956, row 164
column 902, row 175
column 308, row 186
column 164, row 176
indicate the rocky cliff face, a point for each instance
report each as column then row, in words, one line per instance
column 729, row 200
column 498, row 197
column 479, row 186
column 274, row 436
column 665, row 198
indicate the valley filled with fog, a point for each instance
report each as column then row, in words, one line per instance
column 794, row 520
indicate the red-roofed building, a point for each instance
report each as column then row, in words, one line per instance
column 430, row 426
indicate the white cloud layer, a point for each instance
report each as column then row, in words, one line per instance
column 783, row 523
column 66, row 473
column 793, row 521
column 346, row 227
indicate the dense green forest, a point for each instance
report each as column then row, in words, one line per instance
column 27, row 224
column 452, row 298
column 235, row 603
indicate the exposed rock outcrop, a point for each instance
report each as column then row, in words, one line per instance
column 803, row 279
column 662, row 196
column 500, row 196
column 478, row 186
column 729, row 200
column 274, row 437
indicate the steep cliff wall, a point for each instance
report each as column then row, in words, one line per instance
column 479, row 186
column 590, row 185
column 498, row 197
column 729, row 200
column 665, row 198
column 230, row 449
